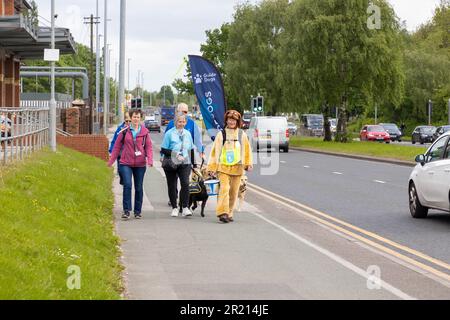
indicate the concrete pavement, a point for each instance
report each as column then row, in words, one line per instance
column 270, row 252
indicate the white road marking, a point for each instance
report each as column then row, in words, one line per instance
column 397, row 292
column 306, row 167
column 379, row 181
column 283, row 161
column 338, row 173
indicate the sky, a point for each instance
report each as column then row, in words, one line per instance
column 161, row 32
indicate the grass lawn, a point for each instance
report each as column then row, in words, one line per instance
column 56, row 212
column 374, row 149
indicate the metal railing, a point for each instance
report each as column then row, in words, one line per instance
column 24, row 131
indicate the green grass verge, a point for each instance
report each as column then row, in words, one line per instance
column 56, row 212
column 373, row 149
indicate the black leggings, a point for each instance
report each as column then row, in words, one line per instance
column 183, row 172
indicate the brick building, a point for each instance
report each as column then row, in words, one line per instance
column 21, row 38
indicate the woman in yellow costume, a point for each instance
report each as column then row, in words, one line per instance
column 230, row 157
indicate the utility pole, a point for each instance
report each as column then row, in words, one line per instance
column 376, row 114
column 52, row 128
column 123, row 6
column 90, row 20
column 143, row 91
column 164, row 102
column 97, row 66
column 115, row 90
column 429, row 112
column 137, row 83
column 129, row 60
column 449, row 111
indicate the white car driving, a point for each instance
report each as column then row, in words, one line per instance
column 429, row 184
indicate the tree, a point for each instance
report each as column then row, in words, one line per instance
column 253, row 50
column 166, row 91
column 331, row 57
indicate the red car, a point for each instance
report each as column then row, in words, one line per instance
column 375, row 133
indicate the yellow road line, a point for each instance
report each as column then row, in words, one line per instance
column 294, row 205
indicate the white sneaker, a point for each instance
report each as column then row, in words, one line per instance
column 175, row 213
column 187, row 212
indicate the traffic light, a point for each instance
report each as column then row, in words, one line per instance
column 139, row 103
column 133, row 103
column 255, row 105
column 260, row 104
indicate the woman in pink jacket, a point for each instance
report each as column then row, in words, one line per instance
column 134, row 146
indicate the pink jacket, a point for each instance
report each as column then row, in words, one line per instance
column 128, row 157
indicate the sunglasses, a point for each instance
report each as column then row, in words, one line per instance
column 127, row 121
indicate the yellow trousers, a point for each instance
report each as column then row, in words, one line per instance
column 228, row 194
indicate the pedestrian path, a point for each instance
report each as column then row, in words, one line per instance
column 268, row 253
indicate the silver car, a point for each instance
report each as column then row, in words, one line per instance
column 269, row 132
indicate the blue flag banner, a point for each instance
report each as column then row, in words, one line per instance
column 208, row 86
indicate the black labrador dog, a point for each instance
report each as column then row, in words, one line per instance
column 202, row 196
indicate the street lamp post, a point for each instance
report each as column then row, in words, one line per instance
column 106, row 62
column 123, row 6
column 97, row 68
column 52, row 124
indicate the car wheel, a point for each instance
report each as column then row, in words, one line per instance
column 421, row 142
column 257, row 147
column 417, row 210
column 286, row 149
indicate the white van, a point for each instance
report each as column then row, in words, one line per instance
column 269, row 132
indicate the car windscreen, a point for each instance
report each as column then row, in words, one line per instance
column 376, row 129
column 273, row 124
column 390, row 127
column 428, row 130
column 315, row 121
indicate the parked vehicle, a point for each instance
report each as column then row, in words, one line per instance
column 312, row 125
column 152, row 125
column 440, row 131
column 429, row 183
column 292, row 128
column 393, row 130
column 374, row 133
column 423, row 134
column 246, row 119
column 167, row 115
column 268, row 132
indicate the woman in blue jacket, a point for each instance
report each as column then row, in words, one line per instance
column 177, row 146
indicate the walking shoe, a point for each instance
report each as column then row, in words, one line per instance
column 126, row 215
column 175, row 213
column 137, row 216
column 187, row 212
column 223, row 218
column 230, row 219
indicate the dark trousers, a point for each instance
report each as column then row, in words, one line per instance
column 138, row 174
column 183, row 172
